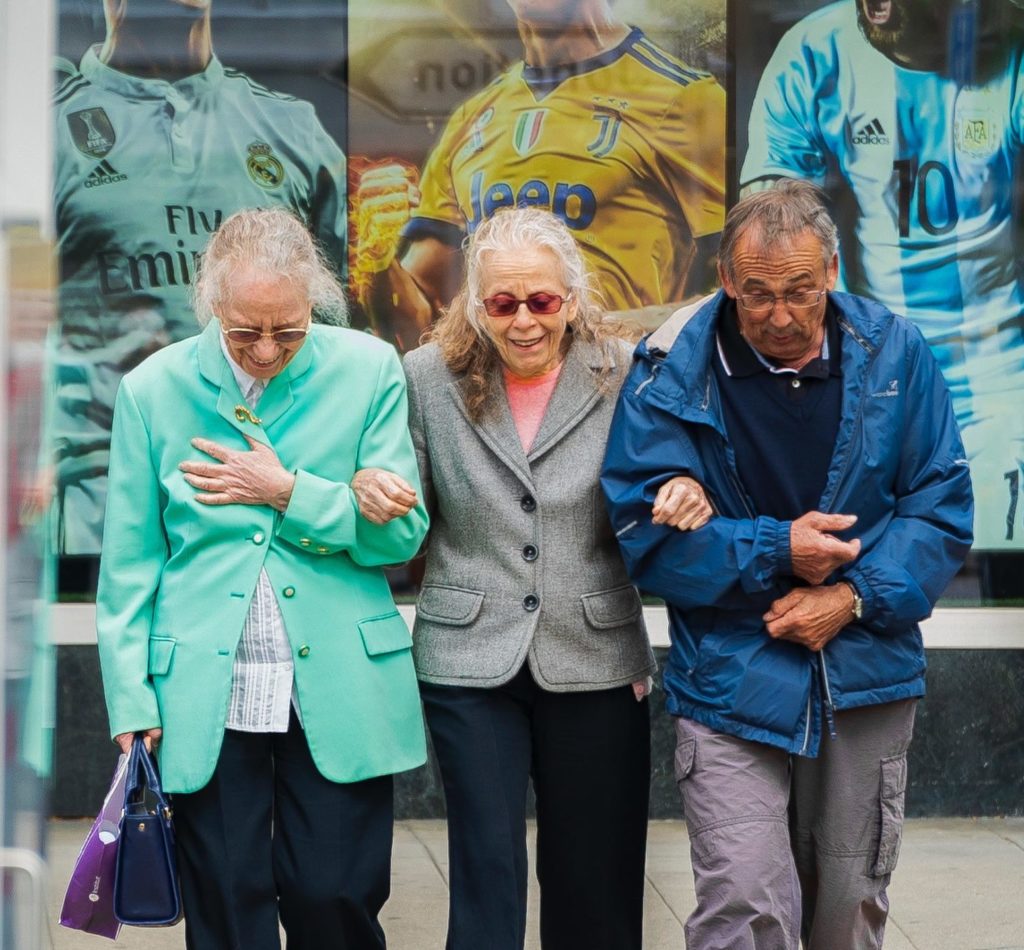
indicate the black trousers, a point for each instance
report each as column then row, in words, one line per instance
column 589, row 756
column 269, row 834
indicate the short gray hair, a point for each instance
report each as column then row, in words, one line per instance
column 776, row 216
column 274, row 242
column 529, row 228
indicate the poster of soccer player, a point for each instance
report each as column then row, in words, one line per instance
column 169, row 115
column 611, row 114
column 911, row 114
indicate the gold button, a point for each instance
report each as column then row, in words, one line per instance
column 289, row 592
column 303, row 651
column 322, row 550
column 305, row 542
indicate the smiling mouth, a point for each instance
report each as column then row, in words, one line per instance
column 877, row 12
column 526, row 344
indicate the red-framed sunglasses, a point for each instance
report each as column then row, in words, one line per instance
column 505, row 305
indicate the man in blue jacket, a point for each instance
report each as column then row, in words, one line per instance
column 820, row 426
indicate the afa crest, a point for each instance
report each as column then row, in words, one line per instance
column 263, row 166
column 977, row 131
column 92, row 132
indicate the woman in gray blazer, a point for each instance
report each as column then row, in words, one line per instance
column 529, row 641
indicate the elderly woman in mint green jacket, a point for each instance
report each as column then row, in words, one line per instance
column 261, row 475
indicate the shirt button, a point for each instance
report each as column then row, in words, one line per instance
column 258, row 537
column 531, row 602
column 289, row 592
column 305, row 542
column 304, row 650
column 528, row 503
column 795, row 384
column 529, row 552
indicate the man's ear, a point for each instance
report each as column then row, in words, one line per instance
column 832, row 273
column 723, row 279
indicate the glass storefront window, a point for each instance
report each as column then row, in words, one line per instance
column 393, row 128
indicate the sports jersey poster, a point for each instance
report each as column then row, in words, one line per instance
column 910, row 113
column 170, row 115
column 610, row 114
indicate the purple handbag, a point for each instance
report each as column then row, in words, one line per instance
column 89, row 899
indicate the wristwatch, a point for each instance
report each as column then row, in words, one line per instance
column 858, row 601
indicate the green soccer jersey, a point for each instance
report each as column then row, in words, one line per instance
column 146, row 170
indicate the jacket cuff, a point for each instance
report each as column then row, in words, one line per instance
column 864, row 589
column 783, row 551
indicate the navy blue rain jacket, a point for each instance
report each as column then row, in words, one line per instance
column 898, row 465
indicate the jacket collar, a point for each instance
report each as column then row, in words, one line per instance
column 231, row 405
column 575, row 394
column 681, row 380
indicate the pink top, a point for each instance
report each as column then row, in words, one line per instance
column 528, row 398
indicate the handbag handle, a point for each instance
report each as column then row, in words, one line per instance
column 144, row 776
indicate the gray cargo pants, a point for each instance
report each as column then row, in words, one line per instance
column 784, row 847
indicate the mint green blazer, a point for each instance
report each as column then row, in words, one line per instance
column 176, row 576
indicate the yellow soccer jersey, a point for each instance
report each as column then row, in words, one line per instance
column 628, row 148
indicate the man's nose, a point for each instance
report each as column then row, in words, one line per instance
column 780, row 315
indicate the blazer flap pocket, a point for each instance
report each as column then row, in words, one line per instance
column 605, row 609
column 161, row 649
column 454, row 606
column 385, row 634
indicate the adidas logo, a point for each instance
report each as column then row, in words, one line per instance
column 871, row 134
column 103, row 174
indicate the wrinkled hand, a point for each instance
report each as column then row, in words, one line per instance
column 151, row 737
column 814, row 551
column 239, row 477
column 681, row 503
column 811, row 615
column 382, row 495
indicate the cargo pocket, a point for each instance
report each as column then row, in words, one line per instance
column 608, row 609
column 685, row 751
column 385, row 634
column 161, row 649
column 891, row 799
column 454, row 606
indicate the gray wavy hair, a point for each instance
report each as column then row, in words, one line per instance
column 775, row 216
column 523, row 229
column 465, row 345
column 275, row 243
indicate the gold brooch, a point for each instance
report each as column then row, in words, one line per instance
column 244, row 414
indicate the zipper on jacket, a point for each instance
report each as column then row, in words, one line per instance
column 807, row 725
column 830, row 707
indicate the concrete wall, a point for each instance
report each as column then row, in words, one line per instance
column 967, row 757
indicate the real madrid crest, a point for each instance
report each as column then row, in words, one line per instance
column 263, row 166
column 92, row 132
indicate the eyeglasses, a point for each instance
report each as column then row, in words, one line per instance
column 797, row 299
column 505, row 305
column 243, row 336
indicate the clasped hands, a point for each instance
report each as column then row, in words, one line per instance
column 257, row 477
column 813, row 615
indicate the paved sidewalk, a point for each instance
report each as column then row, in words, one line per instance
column 959, row 886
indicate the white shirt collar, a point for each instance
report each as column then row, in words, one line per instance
column 243, row 379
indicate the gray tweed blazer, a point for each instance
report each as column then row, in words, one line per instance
column 522, row 563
